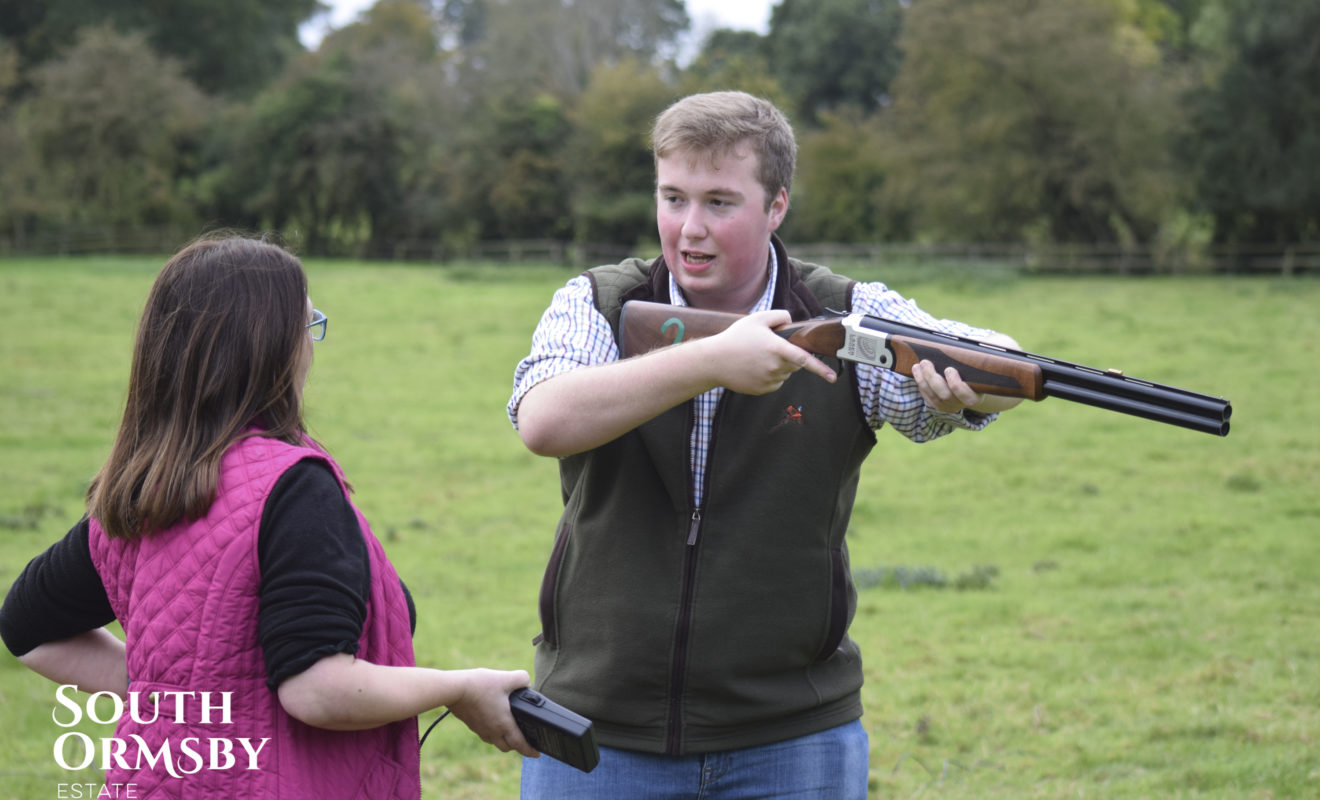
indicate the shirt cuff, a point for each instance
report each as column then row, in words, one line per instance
column 966, row 419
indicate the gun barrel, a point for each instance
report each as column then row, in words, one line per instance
column 1216, row 424
column 1076, row 382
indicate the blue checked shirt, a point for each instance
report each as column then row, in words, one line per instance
column 573, row 334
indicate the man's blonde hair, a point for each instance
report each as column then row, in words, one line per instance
column 717, row 123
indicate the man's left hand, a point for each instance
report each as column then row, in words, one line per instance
column 946, row 392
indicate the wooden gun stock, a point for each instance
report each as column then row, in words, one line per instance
column 987, row 368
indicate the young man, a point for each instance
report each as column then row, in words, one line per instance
column 698, row 596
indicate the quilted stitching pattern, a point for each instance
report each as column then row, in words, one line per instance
column 188, row 600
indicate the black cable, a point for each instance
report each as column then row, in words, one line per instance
column 432, row 727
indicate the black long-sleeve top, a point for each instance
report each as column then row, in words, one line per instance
column 315, row 580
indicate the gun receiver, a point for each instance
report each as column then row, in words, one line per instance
column 987, row 368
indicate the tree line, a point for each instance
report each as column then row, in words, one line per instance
column 1165, row 124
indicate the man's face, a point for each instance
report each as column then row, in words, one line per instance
column 715, row 227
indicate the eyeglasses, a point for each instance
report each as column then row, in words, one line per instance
column 317, row 325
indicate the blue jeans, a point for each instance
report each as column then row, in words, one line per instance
column 830, row 765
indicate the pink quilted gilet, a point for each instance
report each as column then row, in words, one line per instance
column 188, row 600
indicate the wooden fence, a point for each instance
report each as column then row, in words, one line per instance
column 1290, row 259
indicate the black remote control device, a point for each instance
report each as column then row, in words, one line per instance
column 554, row 730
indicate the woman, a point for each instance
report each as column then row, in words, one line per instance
column 223, row 540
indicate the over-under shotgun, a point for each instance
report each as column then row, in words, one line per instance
column 987, row 368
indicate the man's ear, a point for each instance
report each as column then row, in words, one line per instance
column 778, row 208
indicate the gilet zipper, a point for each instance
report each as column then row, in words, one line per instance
column 683, row 632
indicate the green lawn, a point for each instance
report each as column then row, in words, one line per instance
column 1138, row 617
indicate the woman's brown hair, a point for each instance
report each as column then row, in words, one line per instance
column 217, row 353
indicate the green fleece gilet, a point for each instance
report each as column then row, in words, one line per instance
column 682, row 630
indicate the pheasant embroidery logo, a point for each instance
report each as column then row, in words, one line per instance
column 793, row 415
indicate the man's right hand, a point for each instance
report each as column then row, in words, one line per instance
column 750, row 358
column 587, row 407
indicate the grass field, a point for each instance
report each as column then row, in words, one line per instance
column 1137, row 615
